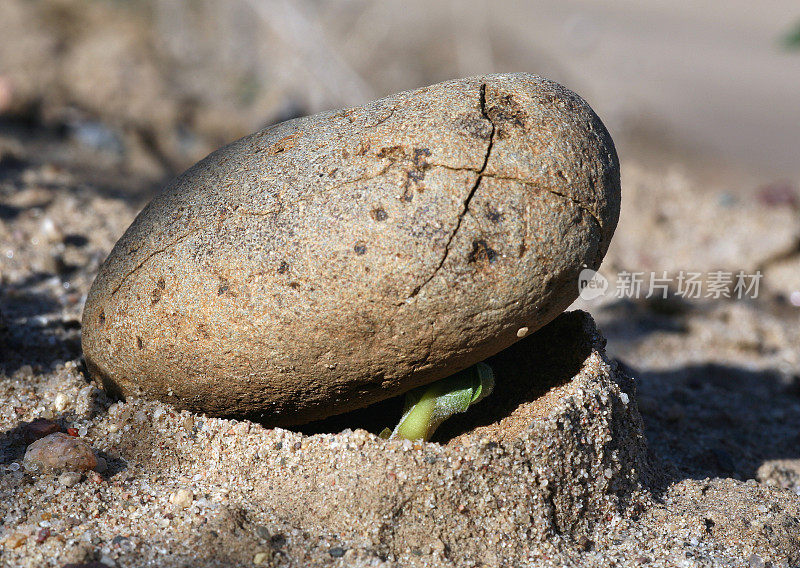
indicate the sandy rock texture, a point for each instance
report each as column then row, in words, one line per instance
column 333, row 261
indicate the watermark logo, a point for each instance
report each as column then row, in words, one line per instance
column 683, row 284
column 592, row 284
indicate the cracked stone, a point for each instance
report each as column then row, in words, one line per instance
column 333, row 261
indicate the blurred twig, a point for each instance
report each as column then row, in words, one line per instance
column 315, row 53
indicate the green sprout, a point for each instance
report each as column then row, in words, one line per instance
column 426, row 407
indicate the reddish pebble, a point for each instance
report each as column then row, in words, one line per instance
column 39, row 428
column 779, row 194
column 72, row 432
column 42, row 535
column 59, row 451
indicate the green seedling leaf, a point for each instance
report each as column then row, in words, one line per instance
column 426, row 407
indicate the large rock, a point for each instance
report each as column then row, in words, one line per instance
column 336, row 260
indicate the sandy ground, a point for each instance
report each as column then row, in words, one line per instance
column 686, row 425
column 717, row 384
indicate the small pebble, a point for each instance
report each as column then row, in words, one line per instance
column 263, row 532
column 522, row 332
column 42, row 535
column 336, row 552
column 262, row 558
column 59, row 451
column 60, row 402
column 182, row 498
column 69, row 478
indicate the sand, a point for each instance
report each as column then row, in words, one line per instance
column 663, row 434
column 558, row 470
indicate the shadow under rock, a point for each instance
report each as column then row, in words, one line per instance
column 523, row 372
column 715, row 420
column 634, row 320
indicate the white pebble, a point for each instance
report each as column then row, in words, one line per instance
column 69, row 478
column 182, row 498
column 522, row 332
column 624, row 397
column 49, row 228
column 61, row 401
column 262, row 558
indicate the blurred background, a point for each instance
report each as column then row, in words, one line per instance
column 102, row 100
column 716, row 80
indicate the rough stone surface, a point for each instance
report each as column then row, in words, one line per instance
column 59, row 451
column 337, row 260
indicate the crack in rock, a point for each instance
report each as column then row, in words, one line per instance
column 151, row 255
column 582, row 206
column 385, row 118
column 475, row 186
column 577, row 203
